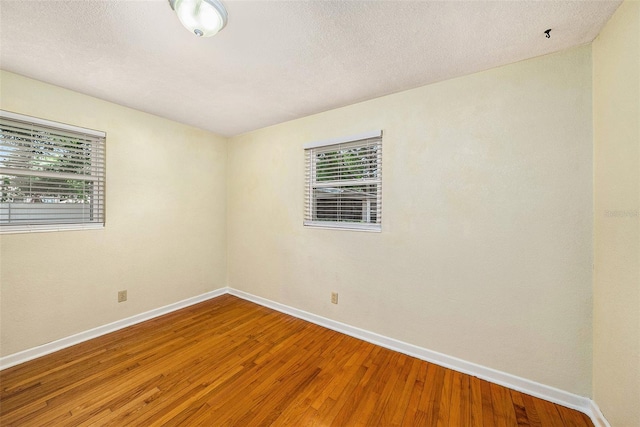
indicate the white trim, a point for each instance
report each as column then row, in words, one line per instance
column 50, row 123
column 18, row 229
column 523, row 385
column 35, row 352
column 597, row 416
column 343, row 139
column 355, row 226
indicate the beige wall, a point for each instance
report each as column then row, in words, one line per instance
column 165, row 238
column 486, row 248
column 616, row 110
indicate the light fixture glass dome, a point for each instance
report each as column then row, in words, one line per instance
column 204, row 18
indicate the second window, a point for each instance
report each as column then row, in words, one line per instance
column 344, row 183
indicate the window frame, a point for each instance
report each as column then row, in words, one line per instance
column 310, row 180
column 97, row 166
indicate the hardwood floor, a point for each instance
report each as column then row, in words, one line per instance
column 229, row 362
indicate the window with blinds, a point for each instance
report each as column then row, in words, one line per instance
column 52, row 175
column 344, row 183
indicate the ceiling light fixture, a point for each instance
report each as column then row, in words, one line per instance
column 204, row 18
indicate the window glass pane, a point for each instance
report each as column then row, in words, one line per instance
column 49, row 175
column 344, row 185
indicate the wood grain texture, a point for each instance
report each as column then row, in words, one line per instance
column 229, row 362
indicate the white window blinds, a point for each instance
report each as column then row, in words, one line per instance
column 344, row 183
column 52, row 175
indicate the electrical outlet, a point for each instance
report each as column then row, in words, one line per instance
column 122, row 296
column 334, row 297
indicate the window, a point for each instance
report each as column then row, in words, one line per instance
column 51, row 175
column 344, row 183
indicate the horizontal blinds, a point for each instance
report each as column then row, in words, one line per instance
column 50, row 173
column 344, row 184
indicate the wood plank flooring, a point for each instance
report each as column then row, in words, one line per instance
column 229, row 362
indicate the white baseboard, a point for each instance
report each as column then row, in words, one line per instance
column 552, row 394
column 561, row 397
column 35, row 352
column 597, row 416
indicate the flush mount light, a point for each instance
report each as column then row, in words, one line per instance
column 204, row 18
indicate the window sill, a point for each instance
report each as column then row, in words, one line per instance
column 371, row 228
column 48, row 228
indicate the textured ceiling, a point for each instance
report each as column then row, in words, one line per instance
column 277, row 60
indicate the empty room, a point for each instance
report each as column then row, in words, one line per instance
column 320, row 213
